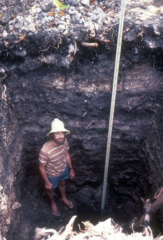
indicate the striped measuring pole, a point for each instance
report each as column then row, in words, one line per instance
column 114, row 90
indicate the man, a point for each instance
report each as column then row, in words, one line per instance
column 55, row 163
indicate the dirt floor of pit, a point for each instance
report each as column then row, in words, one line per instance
column 37, row 213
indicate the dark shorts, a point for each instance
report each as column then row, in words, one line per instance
column 63, row 176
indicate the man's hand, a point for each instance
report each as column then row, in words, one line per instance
column 48, row 185
column 72, row 173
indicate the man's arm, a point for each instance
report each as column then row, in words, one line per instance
column 68, row 160
column 48, row 185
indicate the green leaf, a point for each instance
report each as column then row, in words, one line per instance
column 63, row 7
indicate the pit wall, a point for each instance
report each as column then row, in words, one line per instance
column 82, row 101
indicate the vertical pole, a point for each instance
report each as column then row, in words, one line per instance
column 114, row 90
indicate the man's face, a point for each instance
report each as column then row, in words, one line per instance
column 59, row 137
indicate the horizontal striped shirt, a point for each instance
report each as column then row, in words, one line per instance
column 54, row 157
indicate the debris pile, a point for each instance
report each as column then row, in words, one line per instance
column 87, row 17
column 103, row 230
column 33, row 29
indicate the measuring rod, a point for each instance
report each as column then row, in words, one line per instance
column 114, row 89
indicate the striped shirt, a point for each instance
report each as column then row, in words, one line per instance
column 54, row 157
